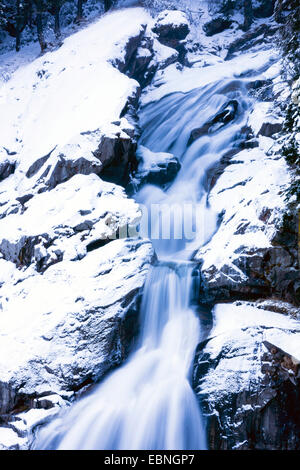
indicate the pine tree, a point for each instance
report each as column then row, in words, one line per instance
column 2, row 14
column 248, row 14
column 107, row 4
column 40, row 7
column 288, row 13
column 54, row 9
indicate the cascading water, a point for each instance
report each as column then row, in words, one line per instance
column 148, row 403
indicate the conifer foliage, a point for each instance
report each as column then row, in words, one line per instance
column 15, row 15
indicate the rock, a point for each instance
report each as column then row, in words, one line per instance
column 164, row 55
column 116, row 152
column 83, row 326
column 154, row 168
column 7, row 164
column 246, row 375
column 172, row 27
column 216, row 25
column 63, row 223
column 264, row 8
column 250, row 39
column 109, row 153
column 226, row 114
column 268, row 129
column 264, row 120
column 254, row 252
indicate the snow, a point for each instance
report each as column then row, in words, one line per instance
column 9, row 439
column 236, row 342
column 71, row 216
column 65, row 319
column 175, row 79
column 70, row 90
column 175, row 18
column 252, row 183
column 152, row 159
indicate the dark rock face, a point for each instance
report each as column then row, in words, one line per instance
column 117, row 155
column 217, row 25
column 7, row 168
column 65, row 168
column 264, row 9
column 268, row 129
column 269, row 272
column 160, row 173
column 250, row 39
column 266, row 416
column 37, row 165
column 224, row 116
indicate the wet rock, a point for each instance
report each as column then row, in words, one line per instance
column 216, row 25
column 247, row 379
column 226, row 114
column 154, row 168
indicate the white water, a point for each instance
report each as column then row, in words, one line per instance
column 148, row 403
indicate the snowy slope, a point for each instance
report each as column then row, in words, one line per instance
column 71, row 90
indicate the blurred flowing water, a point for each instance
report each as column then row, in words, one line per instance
column 148, row 403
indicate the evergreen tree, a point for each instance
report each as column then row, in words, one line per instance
column 40, row 9
column 54, row 9
column 107, row 4
column 2, row 14
column 288, row 13
column 248, row 14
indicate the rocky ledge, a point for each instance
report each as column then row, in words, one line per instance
column 247, row 377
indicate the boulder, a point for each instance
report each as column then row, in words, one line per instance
column 156, row 168
column 216, row 25
column 172, row 27
column 226, row 114
column 247, row 378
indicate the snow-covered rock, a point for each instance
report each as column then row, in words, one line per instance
column 71, row 92
column 66, row 222
column 171, row 24
column 248, row 380
column 252, row 253
column 67, row 327
column 216, row 25
column 156, row 168
column 172, row 27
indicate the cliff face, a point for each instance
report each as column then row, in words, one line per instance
column 247, row 377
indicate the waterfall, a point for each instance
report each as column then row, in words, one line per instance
column 148, row 403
